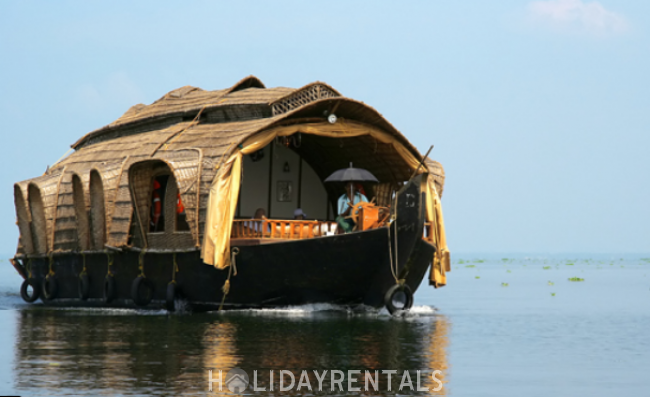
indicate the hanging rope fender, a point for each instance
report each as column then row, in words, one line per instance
column 233, row 266
column 400, row 286
column 29, row 268
column 109, row 258
column 83, row 261
column 394, row 264
column 141, row 263
column 174, row 269
column 50, row 273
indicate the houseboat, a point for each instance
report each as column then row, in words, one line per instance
column 192, row 199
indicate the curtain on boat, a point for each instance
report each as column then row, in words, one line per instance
column 441, row 260
column 225, row 189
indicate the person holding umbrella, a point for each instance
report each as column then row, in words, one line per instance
column 350, row 197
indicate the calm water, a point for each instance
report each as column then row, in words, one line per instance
column 504, row 326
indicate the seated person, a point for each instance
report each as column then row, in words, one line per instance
column 351, row 197
column 260, row 215
column 299, row 215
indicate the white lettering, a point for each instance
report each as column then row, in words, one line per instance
column 320, row 379
column 389, row 372
column 375, row 381
column 271, row 383
column 293, row 380
column 419, row 387
column 405, row 384
column 255, row 388
column 210, row 380
column 304, row 380
column 338, row 381
column 433, row 376
column 352, row 379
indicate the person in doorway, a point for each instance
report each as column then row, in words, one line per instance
column 181, row 218
column 345, row 204
column 180, row 208
column 156, row 207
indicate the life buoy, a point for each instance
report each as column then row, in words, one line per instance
column 171, row 296
column 84, row 286
column 24, row 292
column 109, row 288
column 142, row 284
column 50, row 288
column 398, row 297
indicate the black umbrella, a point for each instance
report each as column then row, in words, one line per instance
column 351, row 174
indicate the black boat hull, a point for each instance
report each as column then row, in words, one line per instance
column 346, row 269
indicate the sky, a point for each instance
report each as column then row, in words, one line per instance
column 539, row 110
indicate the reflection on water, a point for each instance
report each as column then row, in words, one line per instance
column 520, row 328
column 125, row 352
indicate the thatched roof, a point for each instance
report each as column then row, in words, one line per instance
column 192, row 130
column 248, row 96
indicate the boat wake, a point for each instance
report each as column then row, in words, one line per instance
column 317, row 309
column 10, row 300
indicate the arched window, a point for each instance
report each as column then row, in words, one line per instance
column 38, row 225
column 23, row 220
column 97, row 212
column 81, row 213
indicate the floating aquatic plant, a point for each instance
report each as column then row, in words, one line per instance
column 479, row 261
column 550, row 283
column 504, row 284
column 477, row 277
column 552, row 293
column 470, row 265
column 546, row 267
column 576, row 279
column 569, row 264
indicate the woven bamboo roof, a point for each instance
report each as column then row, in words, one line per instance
column 192, row 130
column 187, row 102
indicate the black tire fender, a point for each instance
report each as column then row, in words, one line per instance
column 50, row 288
column 138, row 285
column 171, row 296
column 36, row 291
column 390, row 295
column 109, row 289
column 84, row 286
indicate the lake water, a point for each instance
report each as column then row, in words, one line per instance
column 504, row 326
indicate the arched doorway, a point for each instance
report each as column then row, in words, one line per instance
column 38, row 224
column 160, row 214
column 22, row 218
column 81, row 213
column 97, row 218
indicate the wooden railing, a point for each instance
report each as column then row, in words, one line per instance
column 280, row 229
